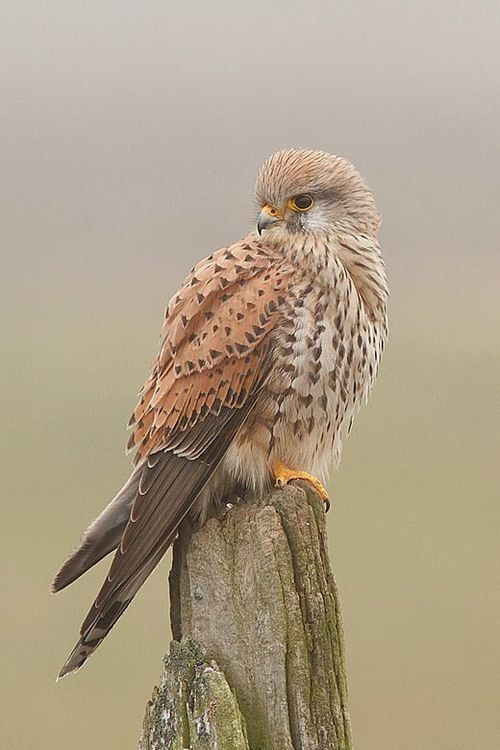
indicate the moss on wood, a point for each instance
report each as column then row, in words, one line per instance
column 255, row 587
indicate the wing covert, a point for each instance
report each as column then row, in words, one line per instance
column 214, row 343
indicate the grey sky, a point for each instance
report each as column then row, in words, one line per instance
column 131, row 133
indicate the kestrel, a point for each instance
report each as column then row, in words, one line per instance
column 267, row 351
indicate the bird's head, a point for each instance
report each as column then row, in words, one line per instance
column 306, row 191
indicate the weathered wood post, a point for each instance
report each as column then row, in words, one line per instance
column 258, row 657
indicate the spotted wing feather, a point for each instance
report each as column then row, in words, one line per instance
column 214, row 338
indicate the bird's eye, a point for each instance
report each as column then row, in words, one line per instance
column 301, row 202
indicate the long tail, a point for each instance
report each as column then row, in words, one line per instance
column 154, row 501
column 168, row 487
column 102, row 536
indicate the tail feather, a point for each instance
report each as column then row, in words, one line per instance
column 157, row 497
column 102, row 536
column 130, row 568
column 86, row 646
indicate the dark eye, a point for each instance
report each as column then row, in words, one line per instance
column 302, row 202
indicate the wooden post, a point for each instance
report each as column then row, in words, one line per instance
column 258, row 657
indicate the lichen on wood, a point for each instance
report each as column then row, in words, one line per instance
column 254, row 586
column 193, row 708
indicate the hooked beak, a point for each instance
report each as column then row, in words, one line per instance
column 267, row 217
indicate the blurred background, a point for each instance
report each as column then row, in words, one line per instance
column 131, row 133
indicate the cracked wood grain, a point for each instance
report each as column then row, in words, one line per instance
column 258, row 659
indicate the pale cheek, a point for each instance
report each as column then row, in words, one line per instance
column 318, row 218
column 308, row 221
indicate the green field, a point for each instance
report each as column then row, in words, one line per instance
column 413, row 539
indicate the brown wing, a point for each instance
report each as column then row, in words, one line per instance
column 214, row 357
column 213, row 342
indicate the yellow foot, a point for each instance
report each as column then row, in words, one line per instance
column 283, row 475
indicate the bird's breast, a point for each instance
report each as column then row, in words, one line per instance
column 326, row 357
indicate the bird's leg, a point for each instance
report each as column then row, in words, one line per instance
column 282, row 475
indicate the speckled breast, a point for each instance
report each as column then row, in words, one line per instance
column 326, row 357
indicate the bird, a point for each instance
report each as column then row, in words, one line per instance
column 267, row 351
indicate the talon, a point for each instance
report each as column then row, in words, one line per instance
column 283, row 475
